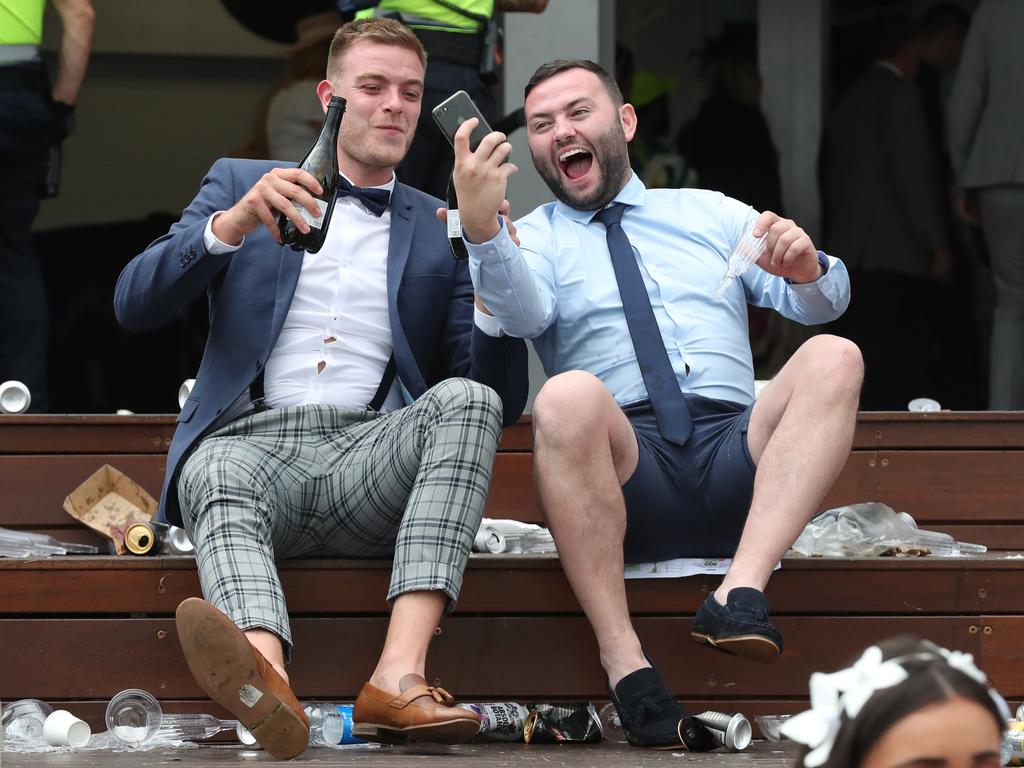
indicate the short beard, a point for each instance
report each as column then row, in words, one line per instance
column 610, row 147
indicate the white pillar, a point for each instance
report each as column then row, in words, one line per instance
column 568, row 29
column 792, row 44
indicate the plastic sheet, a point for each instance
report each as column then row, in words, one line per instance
column 872, row 529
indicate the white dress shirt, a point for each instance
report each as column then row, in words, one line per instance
column 336, row 339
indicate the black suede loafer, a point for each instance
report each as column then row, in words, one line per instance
column 740, row 627
column 651, row 716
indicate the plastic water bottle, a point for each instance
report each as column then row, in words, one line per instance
column 1011, row 751
column 330, row 725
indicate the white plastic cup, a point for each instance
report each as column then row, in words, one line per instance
column 923, row 405
column 62, row 729
column 184, row 391
column 14, row 397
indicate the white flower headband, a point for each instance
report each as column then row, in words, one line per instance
column 849, row 689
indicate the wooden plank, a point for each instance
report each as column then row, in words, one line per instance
column 516, row 657
column 946, row 486
column 1000, row 654
column 474, row 754
column 946, row 429
column 34, row 487
column 99, row 433
column 523, row 586
column 85, row 434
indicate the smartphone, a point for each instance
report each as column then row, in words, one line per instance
column 453, row 112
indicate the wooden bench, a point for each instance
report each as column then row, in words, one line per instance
column 77, row 630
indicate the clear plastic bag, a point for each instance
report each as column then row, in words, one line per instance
column 872, row 529
column 25, row 544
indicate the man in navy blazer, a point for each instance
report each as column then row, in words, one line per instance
column 348, row 403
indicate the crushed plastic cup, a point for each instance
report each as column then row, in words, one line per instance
column 133, row 716
column 924, row 405
column 748, row 249
column 769, row 726
column 611, row 724
column 22, row 720
column 63, row 729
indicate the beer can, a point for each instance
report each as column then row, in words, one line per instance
column 145, row 538
column 500, row 720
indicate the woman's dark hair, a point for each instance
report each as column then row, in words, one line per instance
column 930, row 680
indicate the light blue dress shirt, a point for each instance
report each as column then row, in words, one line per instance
column 559, row 290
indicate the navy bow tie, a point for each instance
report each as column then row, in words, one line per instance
column 375, row 200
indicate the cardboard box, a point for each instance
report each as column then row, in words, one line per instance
column 109, row 502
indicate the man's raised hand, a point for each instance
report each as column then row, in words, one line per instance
column 789, row 251
column 481, row 178
column 270, row 196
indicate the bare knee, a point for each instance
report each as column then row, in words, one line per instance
column 572, row 409
column 835, row 366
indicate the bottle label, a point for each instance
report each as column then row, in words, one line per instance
column 454, row 223
column 316, row 222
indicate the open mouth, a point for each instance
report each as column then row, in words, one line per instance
column 575, row 163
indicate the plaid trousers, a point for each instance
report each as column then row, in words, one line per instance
column 321, row 480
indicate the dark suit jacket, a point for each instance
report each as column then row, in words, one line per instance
column 884, row 208
column 986, row 106
column 430, row 301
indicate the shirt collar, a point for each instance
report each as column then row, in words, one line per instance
column 389, row 186
column 631, row 194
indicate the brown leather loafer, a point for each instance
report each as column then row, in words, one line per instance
column 420, row 712
column 239, row 678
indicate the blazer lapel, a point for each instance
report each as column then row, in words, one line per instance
column 403, row 223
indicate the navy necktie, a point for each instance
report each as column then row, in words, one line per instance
column 667, row 399
column 375, row 200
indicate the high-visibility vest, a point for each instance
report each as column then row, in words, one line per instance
column 21, row 22
column 430, row 14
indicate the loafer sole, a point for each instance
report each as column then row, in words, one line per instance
column 753, row 647
column 454, row 731
column 222, row 663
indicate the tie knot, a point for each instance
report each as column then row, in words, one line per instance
column 376, row 200
column 612, row 214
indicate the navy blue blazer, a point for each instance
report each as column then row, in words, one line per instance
column 430, row 303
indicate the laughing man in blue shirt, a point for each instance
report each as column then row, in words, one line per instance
column 629, row 469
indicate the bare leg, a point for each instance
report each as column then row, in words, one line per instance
column 414, row 616
column 269, row 644
column 801, row 430
column 584, row 449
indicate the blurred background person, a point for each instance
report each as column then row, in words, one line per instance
column 885, row 217
column 461, row 40
column 987, row 148
column 728, row 142
column 289, row 120
column 35, row 117
column 729, row 146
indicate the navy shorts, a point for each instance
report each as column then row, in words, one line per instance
column 690, row 500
